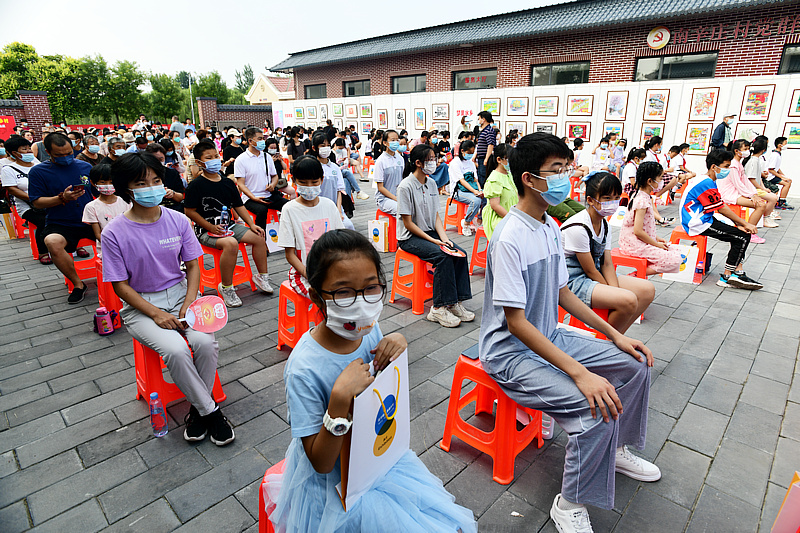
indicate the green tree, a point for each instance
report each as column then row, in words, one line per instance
column 122, row 96
column 182, row 78
column 211, row 84
column 166, row 97
column 245, row 79
column 16, row 61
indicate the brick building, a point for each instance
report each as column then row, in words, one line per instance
column 31, row 106
column 239, row 116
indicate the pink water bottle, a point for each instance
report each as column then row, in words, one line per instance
column 103, row 322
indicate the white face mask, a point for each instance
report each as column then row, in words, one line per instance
column 324, row 151
column 429, row 168
column 745, row 154
column 309, row 193
column 608, row 208
column 355, row 321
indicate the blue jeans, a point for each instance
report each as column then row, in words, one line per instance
column 481, row 170
column 451, row 277
column 350, row 182
column 475, row 203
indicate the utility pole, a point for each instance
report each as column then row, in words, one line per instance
column 191, row 98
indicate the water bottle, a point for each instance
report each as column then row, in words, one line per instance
column 700, row 269
column 103, row 321
column 225, row 218
column 158, row 418
column 547, row 426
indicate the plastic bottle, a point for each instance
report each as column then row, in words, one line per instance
column 158, row 419
column 225, row 218
column 547, row 426
column 700, row 269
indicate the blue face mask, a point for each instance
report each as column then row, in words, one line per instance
column 213, row 166
column 149, row 137
column 119, row 152
column 603, row 146
column 149, row 196
column 435, row 141
column 74, row 143
column 557, row 188
column 171, row 152
column 94, row 148
column 27, row 158
column 2, row 151
column 64, row 161
column 260, row 145
column 394, row 146
column 100, row 138
column 723, row 173
column 468, row 156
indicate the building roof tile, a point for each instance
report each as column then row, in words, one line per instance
column 11, row 103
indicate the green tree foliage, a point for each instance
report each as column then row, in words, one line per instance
column 123, row 97
column 182, row 78
column 245, row 79
column 16, row 60
column 166, row 98
column 211, row 84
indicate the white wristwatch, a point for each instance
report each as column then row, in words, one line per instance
column 336, row 426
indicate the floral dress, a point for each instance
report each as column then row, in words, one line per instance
column 663, row 261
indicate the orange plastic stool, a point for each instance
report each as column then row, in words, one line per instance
column 86, row 268
column 264, row 525
column 106, row 296
column 478, row 258
column 504, row 442
column 211, row 277
column 32, row 237
column 417, row 286
column 738, row 210
column 392, row 228
column 149, row 378
column 456, row 218
column 679, row 235
column 621, row 259
column 19, row 222
column 292, row 327
column 273, row 215
column 573, row 321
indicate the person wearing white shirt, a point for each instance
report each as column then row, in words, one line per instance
column 777, row 177
column 581, row 166
column 257, row 177
column 333, row 183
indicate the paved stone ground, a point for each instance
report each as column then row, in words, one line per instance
column 77, row 452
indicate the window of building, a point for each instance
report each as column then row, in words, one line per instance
column 790, row 62
column 316, row 91
column 356, row 88
column 409, row 84
column 676, row 67
column 475, row 79
column 560, row 74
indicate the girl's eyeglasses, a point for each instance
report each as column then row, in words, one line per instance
column 345, row 297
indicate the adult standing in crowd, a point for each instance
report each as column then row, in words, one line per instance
column 232, row 151
column 177, row 126
column 723, row 134
column 91, row 150
column 116, row 148
column 487, row 139
column 58, row 186
column 257, row 178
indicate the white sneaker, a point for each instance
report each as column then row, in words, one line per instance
column 466, row 230
column 573, row 521
column 444, row 317
column 262, row 282
column 229, row 295
column 770, row 223
column 461, row 312
column 636, row 467
column 774, row 215
column 362, row 195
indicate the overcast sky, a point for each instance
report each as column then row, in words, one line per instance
column 199, row 35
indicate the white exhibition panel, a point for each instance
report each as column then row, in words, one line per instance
column 731, row 95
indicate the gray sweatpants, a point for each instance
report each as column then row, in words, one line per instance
column 193, row 376
column 591, row 450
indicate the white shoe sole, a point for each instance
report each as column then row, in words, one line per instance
column 639, row 477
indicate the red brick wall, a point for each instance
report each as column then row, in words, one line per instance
column 612, row 51
column 254, row 115
column 37, row 111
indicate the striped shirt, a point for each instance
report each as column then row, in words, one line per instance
column 486, row 137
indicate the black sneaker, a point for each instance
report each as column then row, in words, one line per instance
column 77, row 295
column 220, row 431
column 748, row 282
column 195, row 426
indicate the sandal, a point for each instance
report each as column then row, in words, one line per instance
column 45, row 259
column 82, row 252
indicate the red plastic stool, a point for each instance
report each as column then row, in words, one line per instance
column 264, row 525
column 292, row 327
column 478, row 258
column 738, row 210
column 504, row 442
column 32, row 237
column 417, row 286
column 86, row 268
column 456, row 218
column 574, row 322
column 621, row 259
column 211, row 277
column 273, row 215
column 149, row 378
column 19, row 222
column 679, row 235
column 574, row 191
column 392, row 228
column 106, row 296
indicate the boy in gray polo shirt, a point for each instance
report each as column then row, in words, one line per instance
column 565, row 374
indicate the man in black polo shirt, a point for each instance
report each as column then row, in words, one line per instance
column 487, row 139
column 60, row 185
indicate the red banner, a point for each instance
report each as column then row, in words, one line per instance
column 7, row 124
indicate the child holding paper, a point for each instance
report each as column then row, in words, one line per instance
column 327, row 369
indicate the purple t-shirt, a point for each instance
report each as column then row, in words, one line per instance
column 148, row 256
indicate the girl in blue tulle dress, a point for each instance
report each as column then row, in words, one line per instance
column 327, row 368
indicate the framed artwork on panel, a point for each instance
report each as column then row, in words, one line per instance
column 298, row 113
column 419, row 118
column 651, row 129
column 617, row 105
column 580, row 106
column 757, row 102
column 366, row 127
column 749, row 131
column 338, row 110
column 311, row 112
column 792, row 133
column 440, row 126
column 794, row 105
column 521, row 127
column 300, row 124
column 704, row 103
column 578, row 129
column 353, row 125
column 441, row 112
column 698, row 137
column 546, row 127
column 323, row 111
column 383, row 119
column 400, row 119
column 613, row 127
column 655, row 104
column 351, row 111
column 312, row 126
column 492, row 105
column 337, row 123
column 517, row 107
column 366, row 111
column 545, row 106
